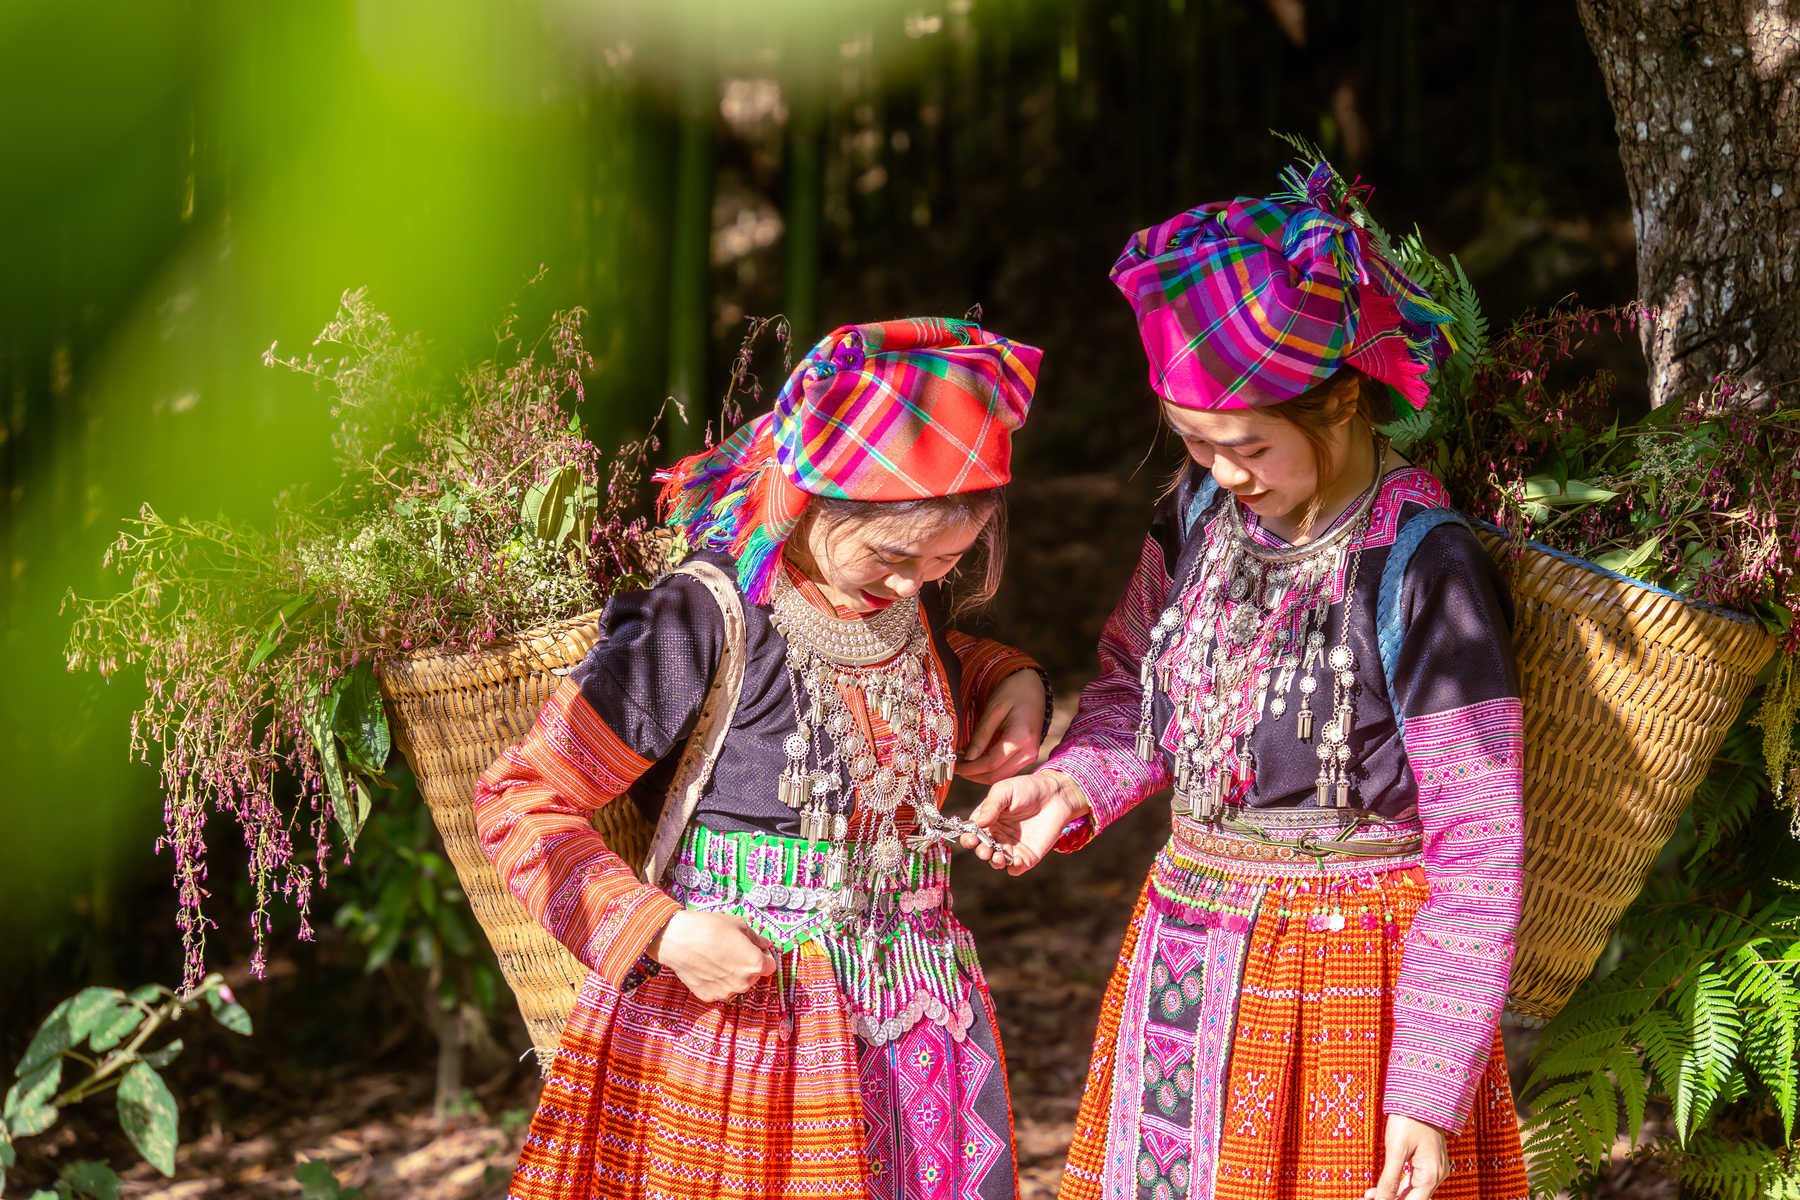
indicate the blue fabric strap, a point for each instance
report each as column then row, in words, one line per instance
column 1203, row 498
column 1390, row 625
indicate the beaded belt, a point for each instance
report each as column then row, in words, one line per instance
column 768, row 871
column 1304, row 837
column 908, row 961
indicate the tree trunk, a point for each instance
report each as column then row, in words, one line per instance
column 1706, row 97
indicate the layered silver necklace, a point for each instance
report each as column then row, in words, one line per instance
column 832, row 764
column 1257, row 622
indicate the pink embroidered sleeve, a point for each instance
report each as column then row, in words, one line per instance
column 1459, row 952
column 1098, row 751
column 1455, row 680
column 533, row 812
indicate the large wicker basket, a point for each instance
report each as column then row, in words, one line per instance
column 455, row 714
column 1629, row 691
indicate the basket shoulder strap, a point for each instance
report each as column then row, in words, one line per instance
column 701, row 752
column 1390, row 623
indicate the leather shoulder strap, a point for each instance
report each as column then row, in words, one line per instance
column 701, row 752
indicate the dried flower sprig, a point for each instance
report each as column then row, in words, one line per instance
column 454, row 523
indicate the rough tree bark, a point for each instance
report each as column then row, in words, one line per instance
column 1706, row 95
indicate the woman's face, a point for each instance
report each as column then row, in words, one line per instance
column 1263, row 460
column 866, row 564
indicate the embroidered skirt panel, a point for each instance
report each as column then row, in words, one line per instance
column 1245, row 1035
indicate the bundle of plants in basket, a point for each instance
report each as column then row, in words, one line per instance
column 1683, row 1037
column 470, row 507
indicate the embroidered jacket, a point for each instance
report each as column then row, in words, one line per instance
column 1457, row 771
column 613, row 734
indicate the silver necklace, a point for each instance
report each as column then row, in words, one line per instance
column 832, row 764
column 1257, row 622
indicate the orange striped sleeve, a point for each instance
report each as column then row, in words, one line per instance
column 985, row 665
column 533, row 811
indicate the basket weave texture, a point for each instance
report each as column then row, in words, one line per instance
column 455, row 714
column 1628, row 691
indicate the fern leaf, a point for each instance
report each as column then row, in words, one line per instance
column 1409, row 429
column 1602, row 1002
column 1566, row 1092
column 1576, row 1055
column 1634, row 1088
column 1724, row 804
column 1553, row 1155
column 1705, row 1005
column 1770, row 1049
column 1722, row 1168
column 1665, row 1045
column 1598, row 1110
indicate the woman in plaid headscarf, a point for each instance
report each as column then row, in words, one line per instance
column 1315, row 654
column 786, row 1005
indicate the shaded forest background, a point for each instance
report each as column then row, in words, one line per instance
column 191, row 181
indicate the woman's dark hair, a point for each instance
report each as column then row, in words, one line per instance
column 986, row 508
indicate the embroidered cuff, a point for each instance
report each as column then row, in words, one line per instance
column 1113, row 778
column 627, row 927
column 1436, row 1088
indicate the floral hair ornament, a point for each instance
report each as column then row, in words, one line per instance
column 894, row 410
column 1249, row 302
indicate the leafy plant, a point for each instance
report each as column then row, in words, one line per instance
column 107, row 1032
column 317, row 1182
column 455, row 522
column 1700, row 1011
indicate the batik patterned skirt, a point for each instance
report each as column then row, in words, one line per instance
column 1244, row 1036
column 860, row 1071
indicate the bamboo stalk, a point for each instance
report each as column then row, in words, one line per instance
column 690, row 266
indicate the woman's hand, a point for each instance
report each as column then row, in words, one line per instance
column 1008, row 733
column 1416, row 1145
column 1026, row 814
column 717, row 955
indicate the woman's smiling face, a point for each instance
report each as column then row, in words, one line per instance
column 866, row 564
column 1263, row 460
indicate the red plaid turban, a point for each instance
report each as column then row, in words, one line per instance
column 899, row 410
column 1251, row 302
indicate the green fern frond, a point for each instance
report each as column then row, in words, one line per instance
column 1770, row 1048
column 1575, row 1054
column 1598, row 1109
column 1554, row 1153
column 1409, row 429
column 1307, row 149
column 1665, row 1045
column 1721, row 1168
column 1602, row 1002
column 1634, row 1088
column 1705, row 1005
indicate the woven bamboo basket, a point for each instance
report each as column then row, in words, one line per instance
column 1628, row 690
column 455, row 714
